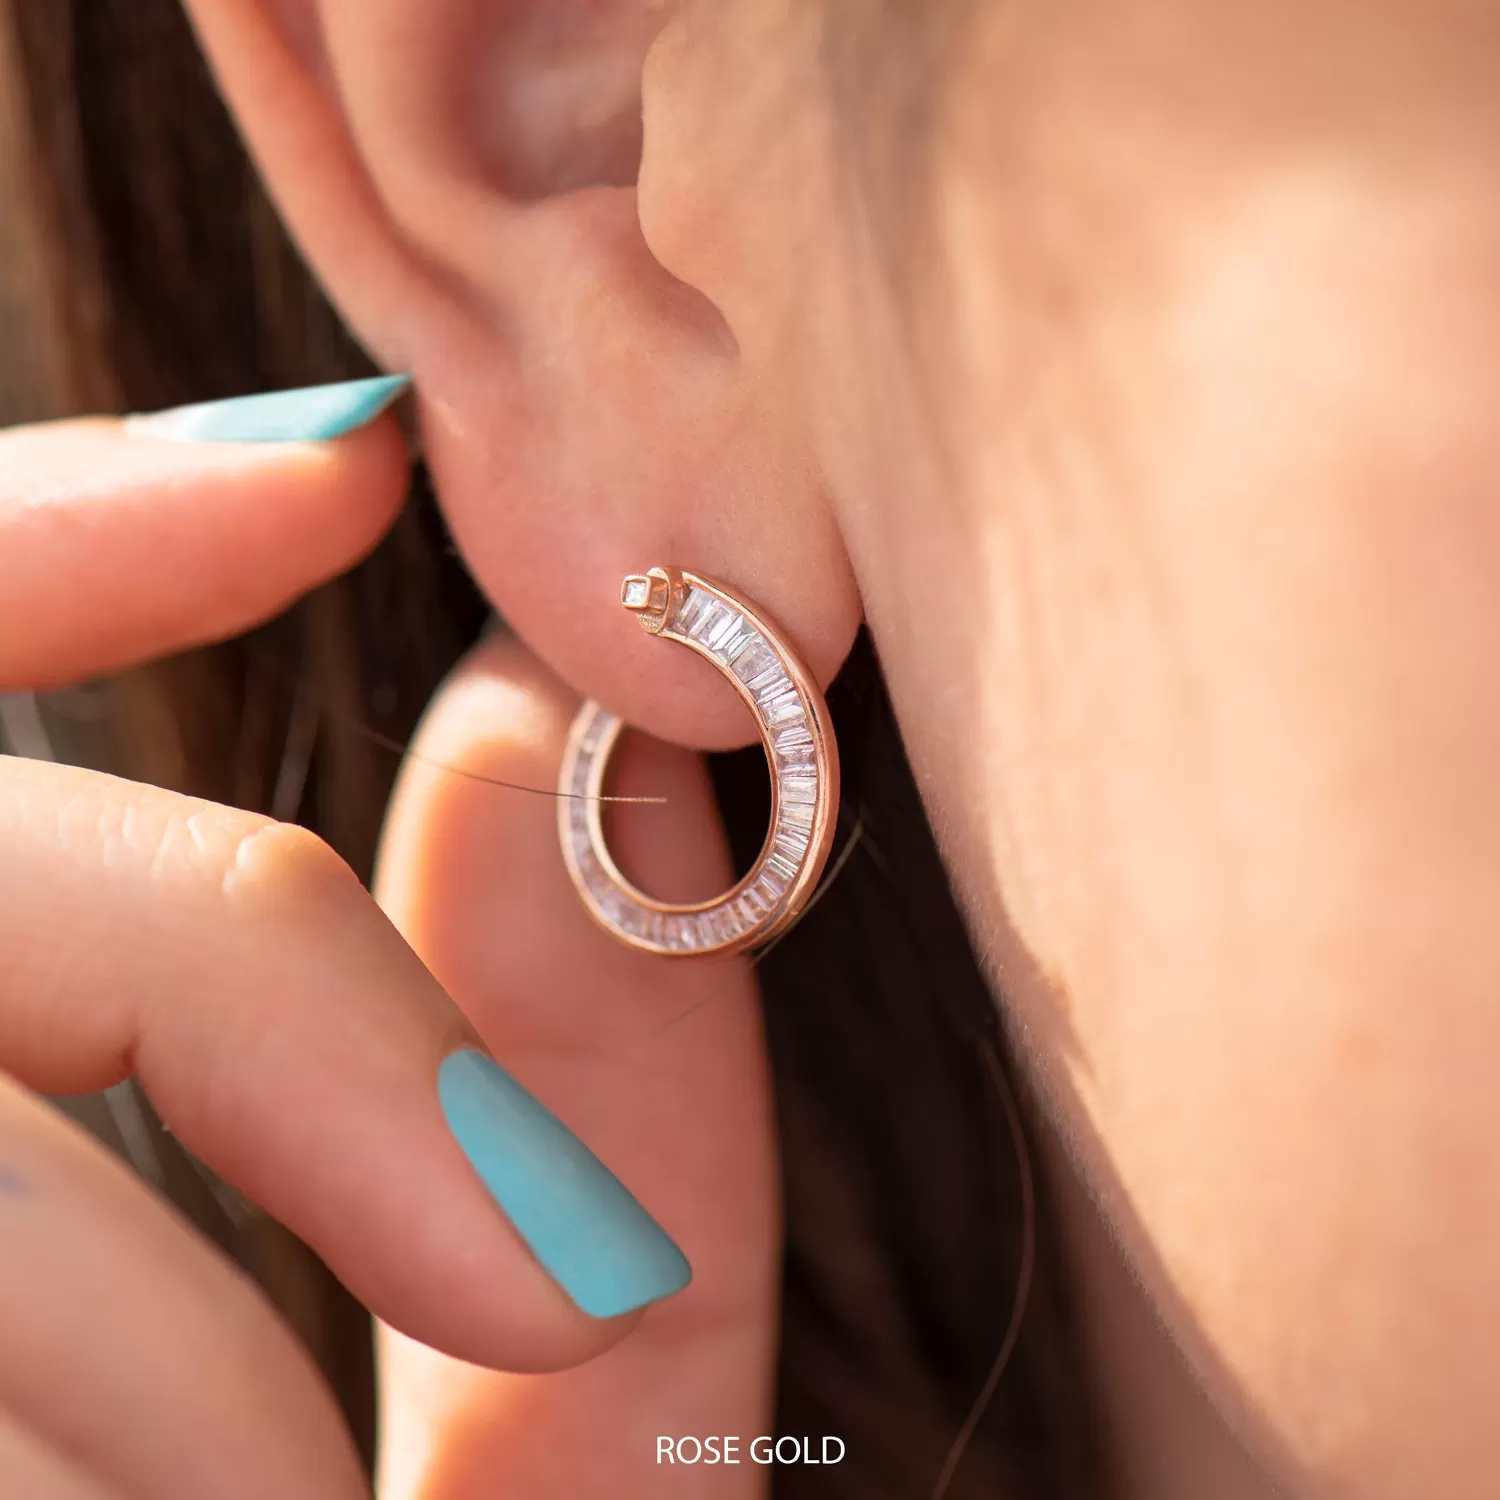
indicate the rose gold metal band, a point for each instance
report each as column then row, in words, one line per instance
column 789, row 710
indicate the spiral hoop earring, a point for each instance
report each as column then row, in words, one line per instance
column 794, row 728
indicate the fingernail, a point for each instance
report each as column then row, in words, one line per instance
column 310, row 415
column 605, row 1251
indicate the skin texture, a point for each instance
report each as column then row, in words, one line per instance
column 1131, row 369
column 663, row 1061
column 291, row 1038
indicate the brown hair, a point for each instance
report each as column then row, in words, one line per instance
column 144, row 268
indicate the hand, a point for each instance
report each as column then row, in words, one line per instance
column 660, row 1060
column 292, row 1040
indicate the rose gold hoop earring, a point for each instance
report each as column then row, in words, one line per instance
column 798, row 738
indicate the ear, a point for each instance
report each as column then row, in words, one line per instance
column 462, row 178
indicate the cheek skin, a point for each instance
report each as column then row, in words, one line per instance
column 1187, row 619
column 1238, row 716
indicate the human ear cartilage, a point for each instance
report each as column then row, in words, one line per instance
column 792, row 717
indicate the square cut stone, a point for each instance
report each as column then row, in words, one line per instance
column 636, row 593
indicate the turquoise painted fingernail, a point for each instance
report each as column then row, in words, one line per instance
column 310, row 415
column 605, row 1251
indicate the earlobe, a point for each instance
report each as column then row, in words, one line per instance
column 583, row 410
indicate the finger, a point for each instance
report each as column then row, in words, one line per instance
column 29, row 1467
column 284, row 1031
column 136, row 1351
column 659, row 1064
column 117, row 544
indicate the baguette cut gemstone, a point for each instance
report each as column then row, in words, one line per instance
column 692, row 610
column 777, row 708
column 769, row 682
column 796, row 835
column 718, row 638
column 715, row 617
column 755, row 659
column 733, row 641
column 801, row 757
